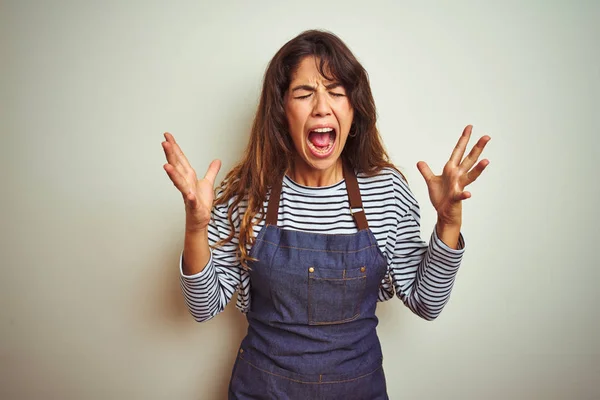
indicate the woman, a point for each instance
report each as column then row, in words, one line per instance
column 313, row 227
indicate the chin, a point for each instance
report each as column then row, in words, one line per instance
column 321, row 164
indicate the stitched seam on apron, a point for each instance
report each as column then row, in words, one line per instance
column 344, row 295
column 339, row 279
column 335, row 322
column 307, row 382
column 271, row 262
column 322, row 251
column 308, row 300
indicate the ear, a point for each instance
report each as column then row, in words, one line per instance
column 353, row 128
column 285, row 96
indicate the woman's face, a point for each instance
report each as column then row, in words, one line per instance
column 319, row 116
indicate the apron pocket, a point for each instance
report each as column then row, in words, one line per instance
column 335, row 295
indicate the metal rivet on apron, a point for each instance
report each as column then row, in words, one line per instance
column 311, row 269
column 362, row 269
column 241, row 351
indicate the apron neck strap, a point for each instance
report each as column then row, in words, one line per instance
column 356, row 206
column 273, row 207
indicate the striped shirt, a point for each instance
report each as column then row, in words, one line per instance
column 420, row 274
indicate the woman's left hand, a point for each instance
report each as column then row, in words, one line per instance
column 446, row 191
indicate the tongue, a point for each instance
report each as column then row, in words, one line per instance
column 320, row 139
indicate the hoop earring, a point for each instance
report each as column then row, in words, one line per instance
column 352, row 128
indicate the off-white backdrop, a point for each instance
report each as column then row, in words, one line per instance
column 92, row 228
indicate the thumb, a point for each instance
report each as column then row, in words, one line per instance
column 425, row 170
column 212, row 172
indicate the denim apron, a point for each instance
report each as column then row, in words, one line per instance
column 311, row 324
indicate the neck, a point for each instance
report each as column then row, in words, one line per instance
column 304, row 175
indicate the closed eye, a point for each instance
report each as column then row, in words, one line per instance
column 310, row 94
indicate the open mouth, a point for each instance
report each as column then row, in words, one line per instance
column 321, row 141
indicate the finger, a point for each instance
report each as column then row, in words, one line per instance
column 212, row 172
column 474, row 154
column 473, row 174
column 178, row 180
column 464, row 196
column 425, row 170
column 168, row 149
column 178, row 155
column 173, row 161
column 461, row 145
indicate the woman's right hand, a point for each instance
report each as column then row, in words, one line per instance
column 198, row 194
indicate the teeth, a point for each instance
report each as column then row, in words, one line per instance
column 321, row 130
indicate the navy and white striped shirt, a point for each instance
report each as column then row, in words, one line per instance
column 420, row 274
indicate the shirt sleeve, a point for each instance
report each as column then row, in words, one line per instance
column 209, row 291
column 423, row 274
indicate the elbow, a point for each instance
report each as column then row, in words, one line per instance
column 200, row 318
column 203, row 317
column 430, row 317
column 202, row 312
column 428, row 313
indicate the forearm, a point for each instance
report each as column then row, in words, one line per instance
column 424, row 274
column 196, row 251
column 432, row 288
column 204, row 293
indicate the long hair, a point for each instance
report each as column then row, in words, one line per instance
column 270, row 150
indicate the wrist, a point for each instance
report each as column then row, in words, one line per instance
column 448, row 225
column 196, row 230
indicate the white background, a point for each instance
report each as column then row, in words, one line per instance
column 92, row 228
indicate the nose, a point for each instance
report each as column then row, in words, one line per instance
column 321, row 107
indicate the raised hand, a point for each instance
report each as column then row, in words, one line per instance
column 446, row 191
column 198, row 194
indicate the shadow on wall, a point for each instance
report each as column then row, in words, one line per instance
column 165, row 302
column 166, row 314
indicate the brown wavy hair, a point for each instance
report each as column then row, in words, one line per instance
column 270, row 151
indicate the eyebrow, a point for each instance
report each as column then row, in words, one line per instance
column 312, row 88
